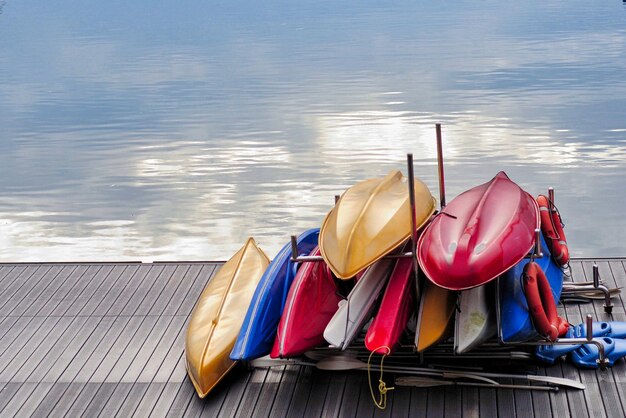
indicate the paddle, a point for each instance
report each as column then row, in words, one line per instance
column 425, row 382
column 341, row 364
column 349, row 363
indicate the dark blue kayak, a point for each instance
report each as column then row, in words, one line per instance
column 258, row 331
column 515, row 322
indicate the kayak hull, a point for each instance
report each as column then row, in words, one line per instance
column 312, row 301
column 371, row 219
column 357, row 309
column 258, row 331
column 435, row 316
column 515, row 324
column 218, row 315
column 481, row 233
column 396, row 307
column 476, row 319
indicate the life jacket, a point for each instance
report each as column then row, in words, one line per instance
column 541, row 303
column 552, row 229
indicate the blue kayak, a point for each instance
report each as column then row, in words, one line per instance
column 258, row 331
column 515, row 322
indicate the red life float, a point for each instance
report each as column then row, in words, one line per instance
column 552, row 229
column 541, row 303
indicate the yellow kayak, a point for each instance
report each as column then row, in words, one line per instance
column 371, row 219
column 435, row 317
column 216, row 320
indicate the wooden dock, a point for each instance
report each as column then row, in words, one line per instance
column 107, row 339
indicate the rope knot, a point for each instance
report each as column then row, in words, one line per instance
column 382, row 386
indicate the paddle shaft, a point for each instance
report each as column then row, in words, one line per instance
column 410, row 381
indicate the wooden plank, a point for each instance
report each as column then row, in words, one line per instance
column 317, row 395
column 50, row 400
column 69, row 291
column 470, row 401
column 44, row 348
column 15, row 280
column 148, row 333
column 135, row 289
column 401, row 406
column 211, row 405
column 17, row 400
column 505, row 399
column 112, row 293
column 285, row 391
column 150, row 297
column 172, row 359
column 21, row 288
column 267, row 394
column 365, row 405
column 37, row 295
column 606, row 392
column 149, row 399
column 158, row 306
column 350, row 400
column 251, row 394
column 7, row 324
column 166, row 399
column 74, row 358
column 297, row 406
column 135, row 395
column 92, row 296
column 419, row 402
column 124, row 347
column 21, row 338
column 334, row 395
column 80, row 293
column 6, row 395
column 164, row 346
column 98, row 399
column 184, row 290
column 5, row 273
column 116, row 400
column 34, row 397
column 56, row 293
column 453, row 401
column 196, row 290
column 236, row 391
column 183, row 397
column 54, row 355
column 488, row 402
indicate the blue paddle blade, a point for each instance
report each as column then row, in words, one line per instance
column 618, row 329
column 586, row 355
column 550, row 353
column 599, row 329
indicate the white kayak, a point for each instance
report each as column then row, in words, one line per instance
column 357, row 309
column 476, row 319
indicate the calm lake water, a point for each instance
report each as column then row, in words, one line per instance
column 172, row 131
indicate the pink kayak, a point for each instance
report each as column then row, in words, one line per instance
column 482, row 233
column 394, row 311
column 312, row 301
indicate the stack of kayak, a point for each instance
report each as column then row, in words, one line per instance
column 480, row 276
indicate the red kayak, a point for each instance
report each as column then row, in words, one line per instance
column 482, row 233
column 312, row 301
column 395, row 309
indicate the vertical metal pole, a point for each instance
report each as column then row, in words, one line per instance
column 409, row 161
column 294, row 247
column 442, row 182
column 538, row 251
column 337, row 198
column 596, row 276
column 589, row 321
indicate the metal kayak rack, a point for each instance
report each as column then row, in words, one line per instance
column 569, row 288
